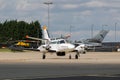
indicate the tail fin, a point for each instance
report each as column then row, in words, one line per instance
column 45, row 33
column 100, row 36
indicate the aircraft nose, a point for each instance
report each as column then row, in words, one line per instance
column 72, row 46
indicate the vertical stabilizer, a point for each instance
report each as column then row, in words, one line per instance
column 100, row 36
column 45, row 33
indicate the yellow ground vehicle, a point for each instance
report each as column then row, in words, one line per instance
column 20, row 43
column 24, row 45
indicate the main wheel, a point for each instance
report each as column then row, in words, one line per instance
column 76, row 56
column 44, row 56
column 70, row 57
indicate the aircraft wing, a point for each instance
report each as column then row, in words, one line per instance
column 36, row 38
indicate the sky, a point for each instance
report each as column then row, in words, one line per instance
column 76, row 17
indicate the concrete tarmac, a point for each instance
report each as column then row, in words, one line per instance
column 30, row 65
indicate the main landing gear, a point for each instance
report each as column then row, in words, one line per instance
column 70, row 57
column 44, row 56
column 76, row 56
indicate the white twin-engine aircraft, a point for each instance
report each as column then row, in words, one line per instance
column 59, row 46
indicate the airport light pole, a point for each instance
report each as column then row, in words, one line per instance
column 115, row 31
column 104, row 26
column 48, row 3
column 92, row 30
column 71, row 31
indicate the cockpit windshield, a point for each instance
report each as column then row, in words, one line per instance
column 62, row 41
column 58, row 42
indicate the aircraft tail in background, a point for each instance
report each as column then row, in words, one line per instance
column 98, row 38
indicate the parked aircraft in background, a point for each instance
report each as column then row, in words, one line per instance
column 59, row 46
column 96, row 41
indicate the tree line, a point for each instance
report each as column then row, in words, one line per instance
column 17, row 30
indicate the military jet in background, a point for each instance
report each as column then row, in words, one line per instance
column 96, row 41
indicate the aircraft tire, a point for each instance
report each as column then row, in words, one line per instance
column 70, row 57
column 76, row 56
column 84, row 52
column 44, row 56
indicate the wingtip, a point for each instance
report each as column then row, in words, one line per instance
column 26, row 36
